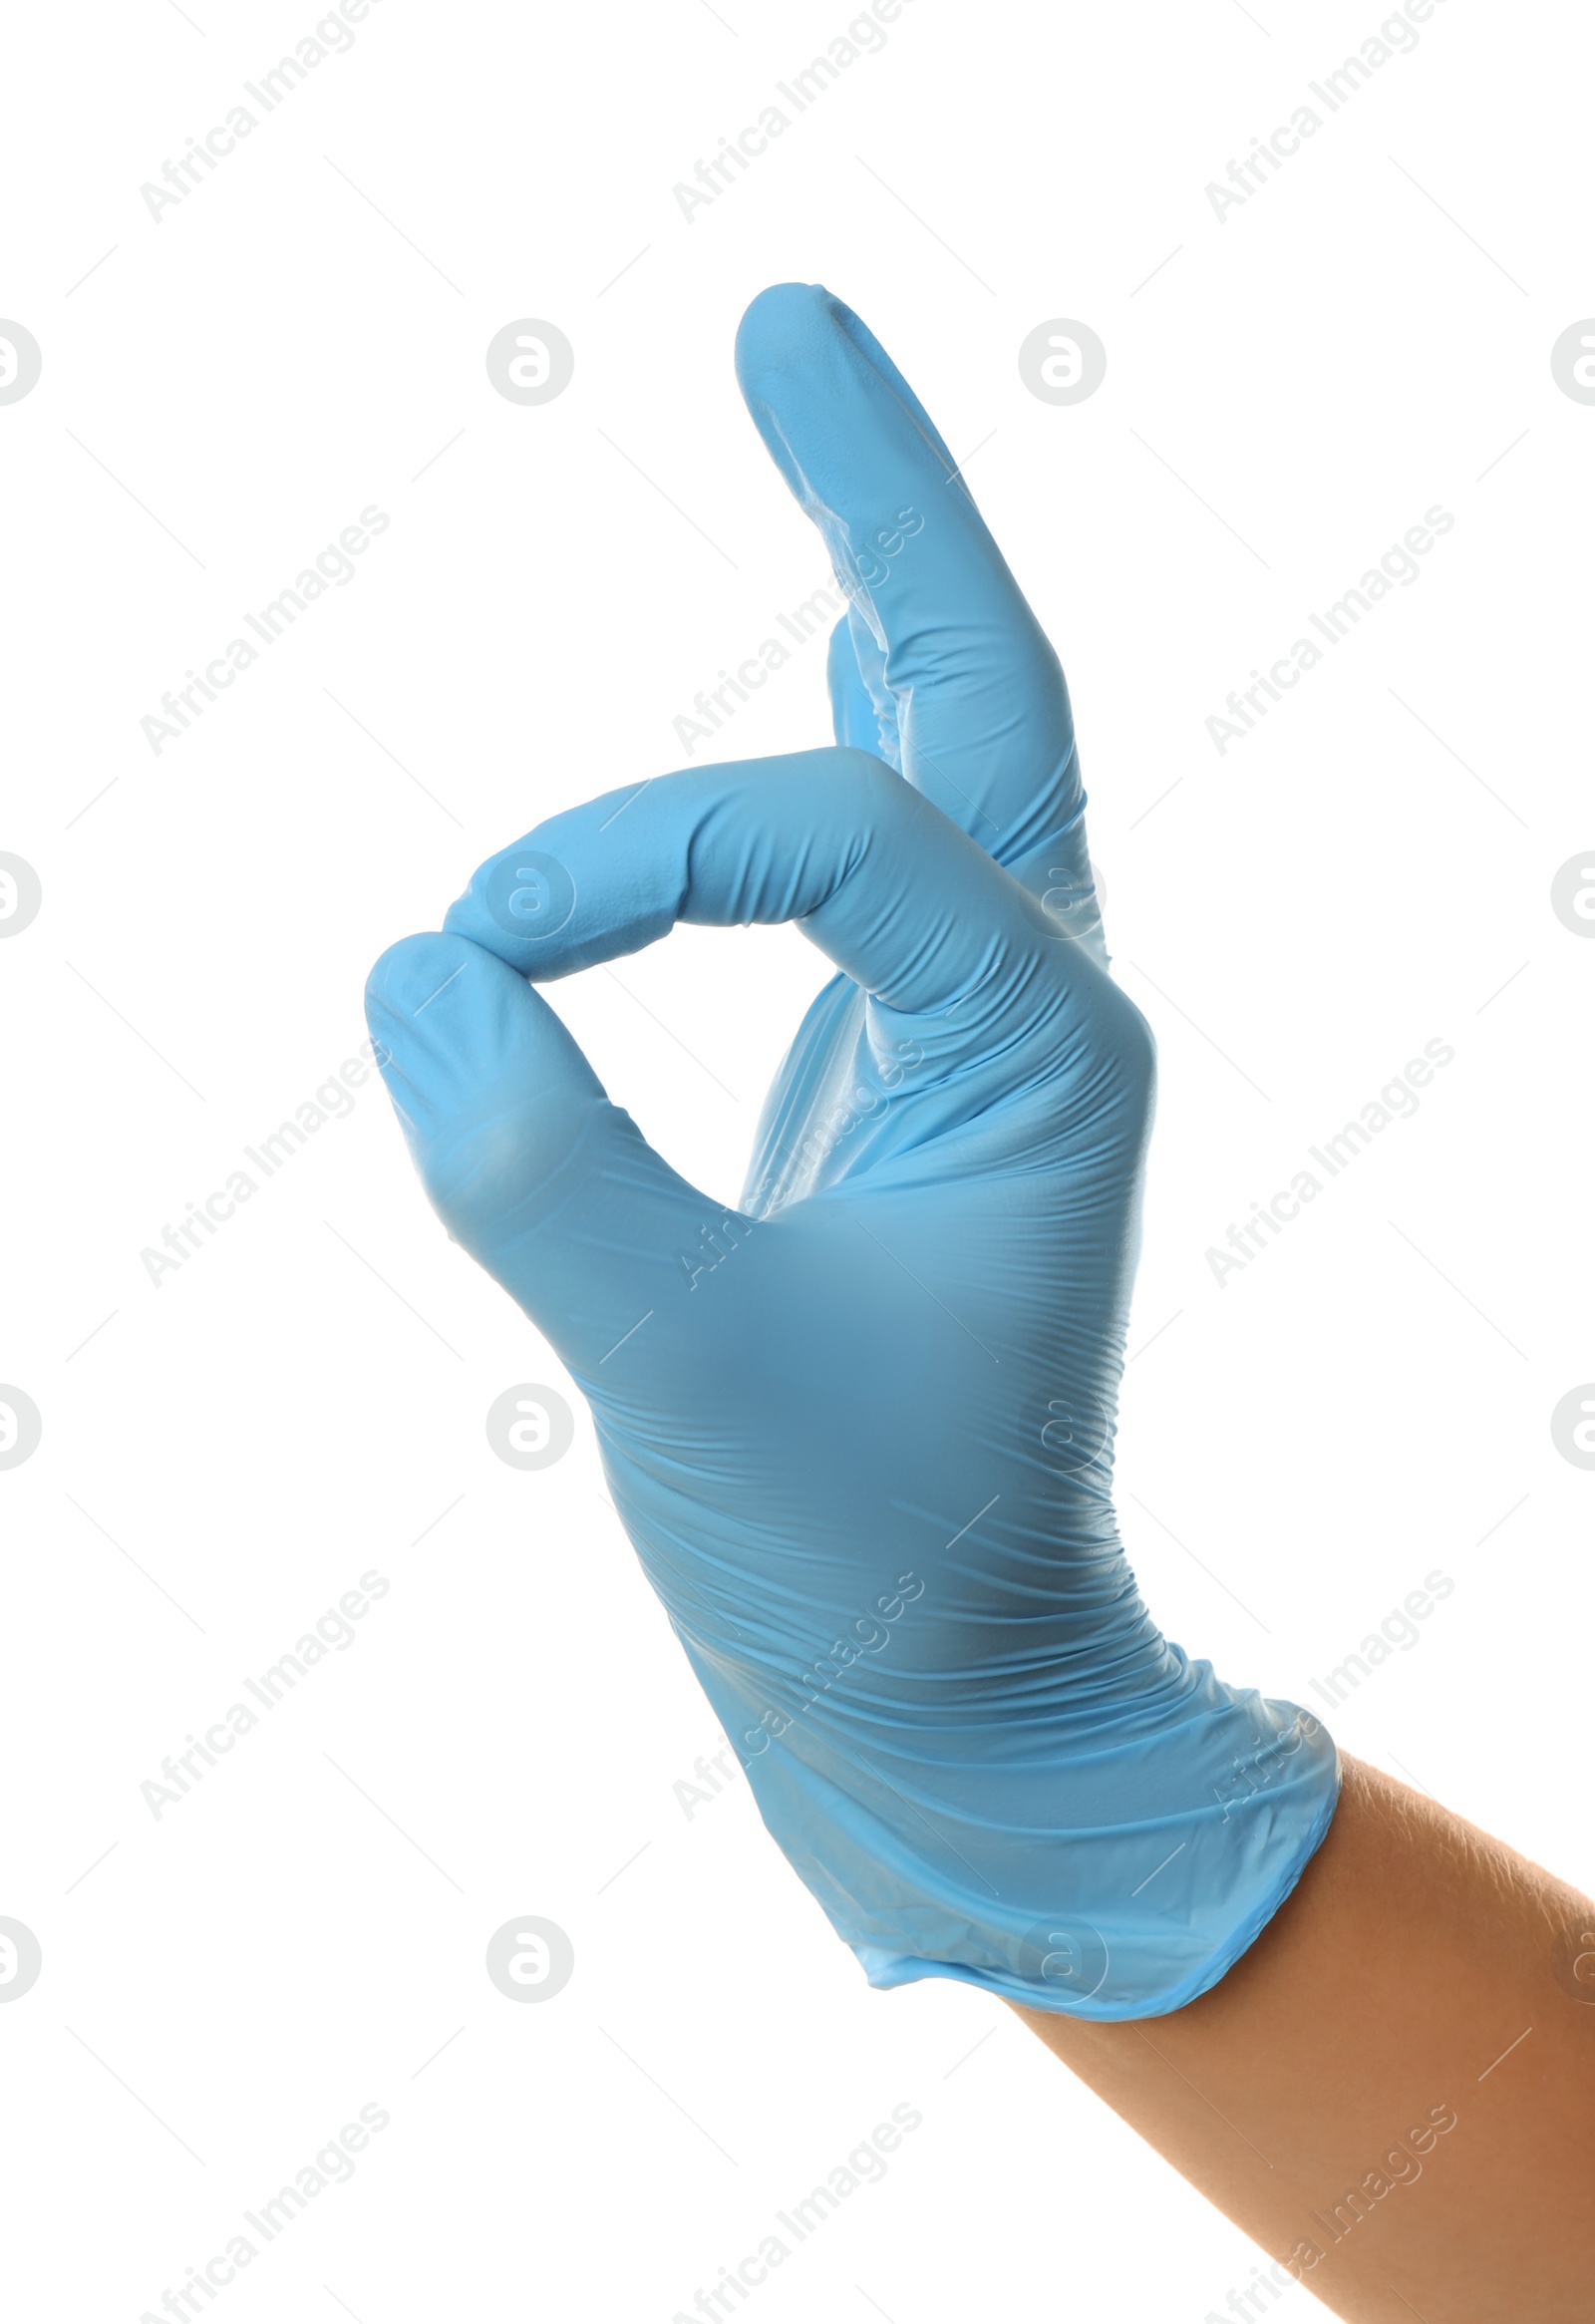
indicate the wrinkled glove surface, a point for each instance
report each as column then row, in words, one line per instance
column 860, row 1427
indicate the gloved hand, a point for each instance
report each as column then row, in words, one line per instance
column 860, row 1427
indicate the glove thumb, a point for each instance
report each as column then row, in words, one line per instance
column 551, row 1187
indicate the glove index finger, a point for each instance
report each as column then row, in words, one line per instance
column 898, row 897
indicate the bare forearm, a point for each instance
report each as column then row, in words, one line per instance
column 1394, row 2091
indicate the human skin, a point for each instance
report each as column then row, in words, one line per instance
column 1421, row 1970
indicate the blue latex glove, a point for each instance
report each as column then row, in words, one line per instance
column 860, row 1427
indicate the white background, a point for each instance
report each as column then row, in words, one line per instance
column 229, row 1452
